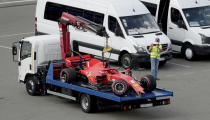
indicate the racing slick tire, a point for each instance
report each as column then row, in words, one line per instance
column 119, row 87
column 148, row 83
column 32, row 87
column 68, row 75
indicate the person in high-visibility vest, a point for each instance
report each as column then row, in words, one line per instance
column 155, row 50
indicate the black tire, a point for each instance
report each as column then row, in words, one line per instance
column 119, row 87
column 148, row 83
column 189, row 52
column 32, row 87
column 88, row 103
column 126, row 61
column 68, row 75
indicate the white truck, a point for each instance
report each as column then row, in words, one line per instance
column 34, row 53
column 129, row 24
column 43, row 71
column 185, row 22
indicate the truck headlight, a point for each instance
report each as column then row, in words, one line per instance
column 140, row 49
column 204, row 38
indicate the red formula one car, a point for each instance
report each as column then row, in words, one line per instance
column 93, row 73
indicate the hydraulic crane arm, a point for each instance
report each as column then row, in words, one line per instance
column 79, row 23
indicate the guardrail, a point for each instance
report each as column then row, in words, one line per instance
column 17, row 3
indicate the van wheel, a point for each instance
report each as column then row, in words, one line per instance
column 87, row 103
column 126, row 61
column 68, row 75
column 189, row 53
column 31, row 87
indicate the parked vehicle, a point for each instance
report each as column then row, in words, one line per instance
column 185, row 22
column 131, row 30
column 82, row 78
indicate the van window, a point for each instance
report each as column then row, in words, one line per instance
column 113, row 25
column 151, row 7
column 176, row 16
column 54, row 11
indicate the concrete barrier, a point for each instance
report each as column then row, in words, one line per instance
column 17, row 3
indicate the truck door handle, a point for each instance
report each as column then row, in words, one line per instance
column 171, row 28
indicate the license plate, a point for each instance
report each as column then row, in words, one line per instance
column 146, row 105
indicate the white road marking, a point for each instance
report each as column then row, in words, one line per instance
column 185, row 66
column 12, row 35
column 6, row 47
column 22, row 1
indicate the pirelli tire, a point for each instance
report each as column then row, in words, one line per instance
column 120, row 87
column 32, row 87
column 148, row 83
column 68, row 75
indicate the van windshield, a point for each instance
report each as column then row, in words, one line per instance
column 139, row 24
column 198, row 17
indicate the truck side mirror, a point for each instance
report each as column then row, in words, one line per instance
column 14, row 50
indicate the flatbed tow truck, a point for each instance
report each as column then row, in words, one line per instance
column 150, row 99
column 59, row 78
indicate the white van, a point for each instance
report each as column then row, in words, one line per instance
column 129, row 24
column 186, row 23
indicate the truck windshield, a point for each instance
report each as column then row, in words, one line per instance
column 198, row 17
column 25, row 50
column 139, row 24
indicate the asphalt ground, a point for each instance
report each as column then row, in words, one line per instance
column 190, row 82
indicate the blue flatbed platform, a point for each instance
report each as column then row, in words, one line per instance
column 157, row 93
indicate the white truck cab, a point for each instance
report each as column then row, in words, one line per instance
column 34, row 53
column 185, row 22
column 129, row 24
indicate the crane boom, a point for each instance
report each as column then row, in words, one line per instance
column 79, row 23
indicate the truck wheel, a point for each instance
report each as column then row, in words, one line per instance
column 119, row 87
column 68, row 75
column 189, row 53
column 31, row 87
column 126, row 61
column 87, row 103
column 148, row 83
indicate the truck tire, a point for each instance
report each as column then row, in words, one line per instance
column 189, row 53
column 119, row 87
column 87, row 103
column 68, row 75
column 31, row 87
column 126, row 61
column 148, row 83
